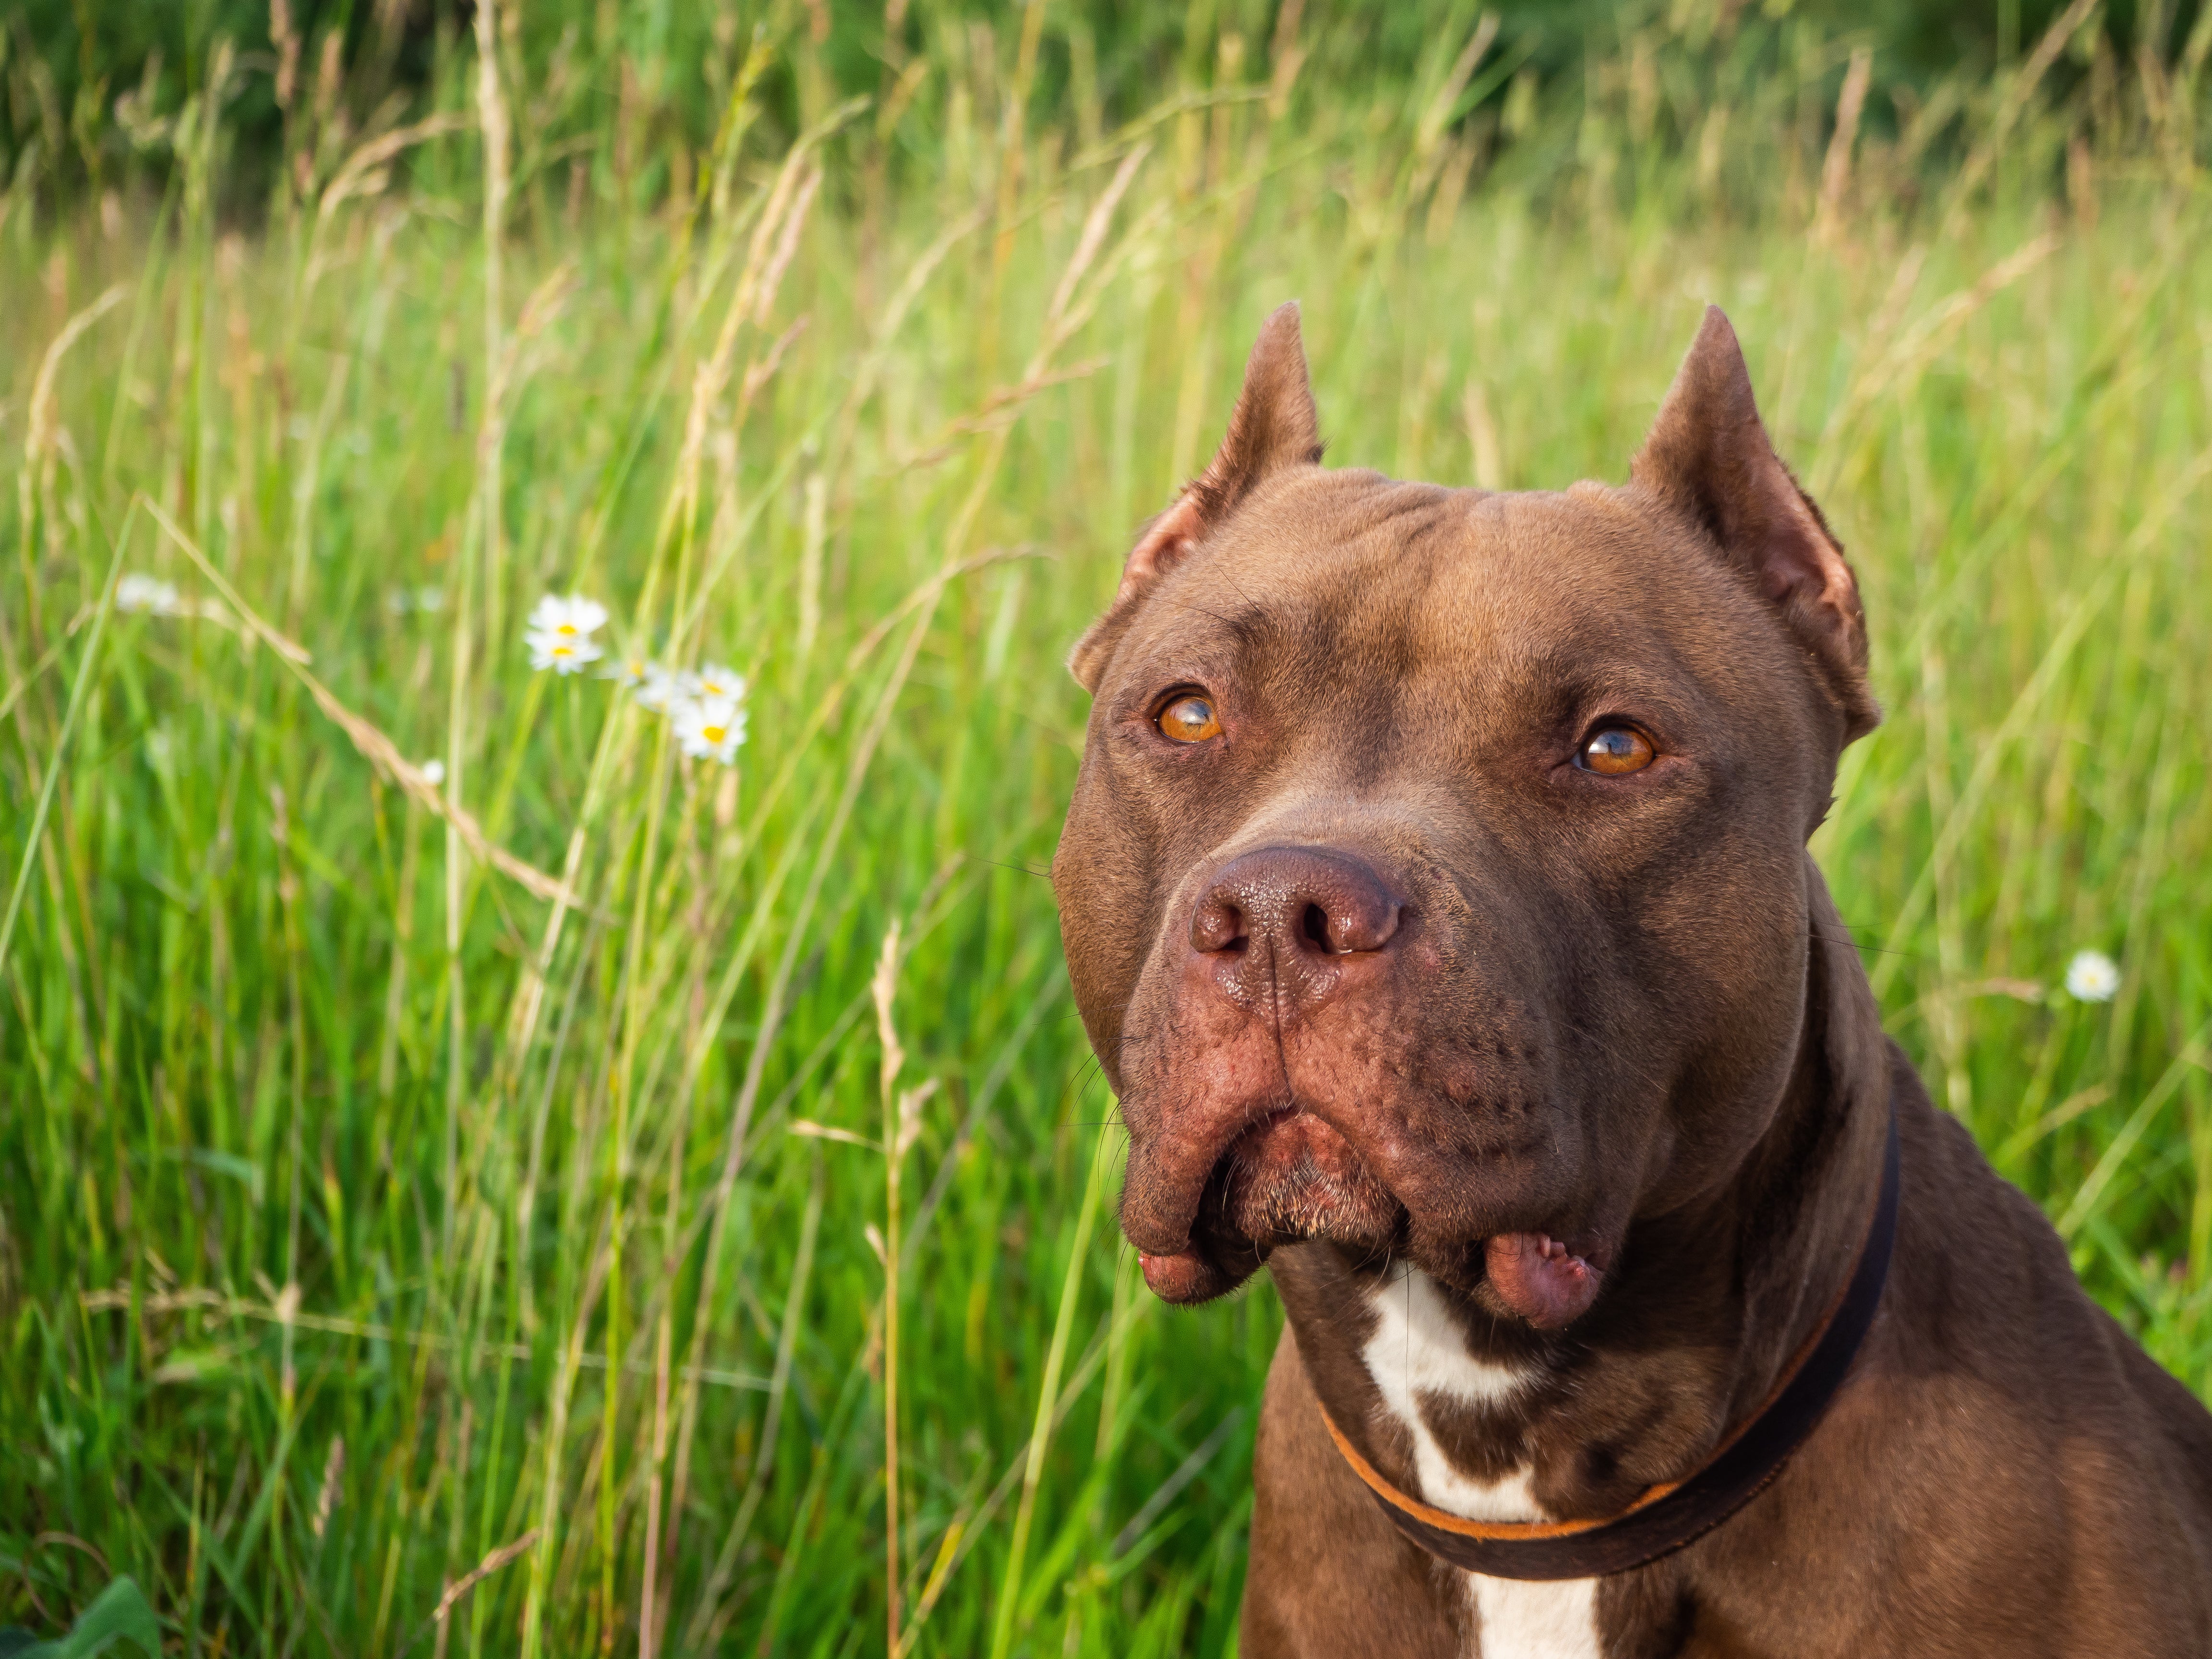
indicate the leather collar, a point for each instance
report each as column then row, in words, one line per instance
column 1671, row 1515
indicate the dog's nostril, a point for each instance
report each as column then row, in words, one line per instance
column 1313, row 924
column 1282, row 902
column 1218, row 927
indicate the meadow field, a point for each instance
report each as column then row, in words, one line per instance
column 487, row 1167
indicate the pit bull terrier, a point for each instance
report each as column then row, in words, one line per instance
column 1437, row 896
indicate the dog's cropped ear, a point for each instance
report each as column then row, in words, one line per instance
column 1274, row 426
column 1707, row 456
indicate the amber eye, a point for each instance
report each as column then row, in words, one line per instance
column 1189, row 719
column 1616, row 751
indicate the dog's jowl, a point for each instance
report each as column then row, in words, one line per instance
column 1435, row 894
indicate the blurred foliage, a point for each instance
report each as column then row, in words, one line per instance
column 91, row 94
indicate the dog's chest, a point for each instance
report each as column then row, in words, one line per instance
column 1419, row 1358
column 1517, row 1620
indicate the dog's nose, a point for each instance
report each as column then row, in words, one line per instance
column 1286, row 913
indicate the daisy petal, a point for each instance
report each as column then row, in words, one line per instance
column 2093, row 976
column 570, row 616
column 715, row 679
column 566, row 653
column 149, row 595
column 709, row 728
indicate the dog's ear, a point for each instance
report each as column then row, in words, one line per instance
column 1707, row 457
column 1274, row 426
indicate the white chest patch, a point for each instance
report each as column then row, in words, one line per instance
column 1526, row 1620
column 1418, row 1348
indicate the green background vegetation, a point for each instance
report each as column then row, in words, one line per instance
column 84, row 85
column 392, row 1254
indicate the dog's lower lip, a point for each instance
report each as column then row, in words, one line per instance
column 1542, row 1278
column 1186, row 1275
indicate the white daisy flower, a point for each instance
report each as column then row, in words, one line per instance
column 149, row 595
column 714, row 680
column 631, row 670
column 710, row 727
column 2093, row 976
column 648, row 681
column 660, row 690
column 567, row 653
column 570, row 618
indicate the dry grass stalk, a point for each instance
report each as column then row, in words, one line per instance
column 1836, row 170
column 884, row 990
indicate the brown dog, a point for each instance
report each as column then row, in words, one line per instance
column 1436, row 895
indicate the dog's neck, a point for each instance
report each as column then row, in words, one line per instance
column 1490, row 1420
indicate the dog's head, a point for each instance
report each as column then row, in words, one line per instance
column 1435, row 882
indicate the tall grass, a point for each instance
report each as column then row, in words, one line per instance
column 568, row 1204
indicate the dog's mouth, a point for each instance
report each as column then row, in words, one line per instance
column 1291, row 1176
column 1283, row 1175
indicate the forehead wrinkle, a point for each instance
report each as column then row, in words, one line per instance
column 1636, row 612
column 1322, row 525
column 1548, row 594
column 1339, row 653
column 1191, row 628
column 1465, row 625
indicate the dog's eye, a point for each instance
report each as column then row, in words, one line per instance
column 1616, row 751
column 1188, row 719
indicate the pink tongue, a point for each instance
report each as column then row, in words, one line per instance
column 1539, row 1279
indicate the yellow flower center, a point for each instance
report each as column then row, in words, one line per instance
column 564, row 627
column 712, row 734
